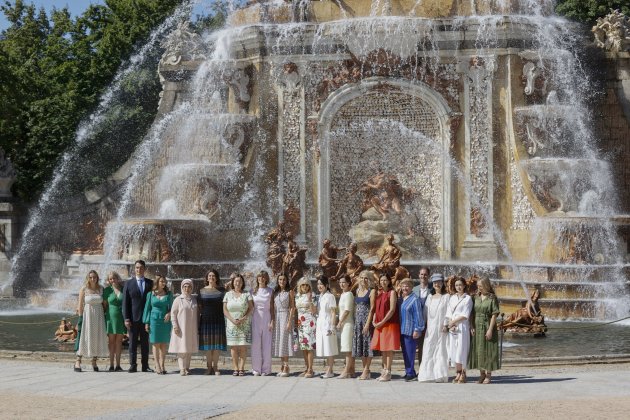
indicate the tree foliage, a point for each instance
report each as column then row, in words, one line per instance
column 53, row 69
column 588, row 11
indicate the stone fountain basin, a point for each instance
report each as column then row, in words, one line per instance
column 565, row 180
column 179, row 239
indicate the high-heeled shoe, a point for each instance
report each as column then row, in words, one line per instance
column 77, row 368
column 343, row 375
column 482, row 377
column 365, row 375
column 456, row 378
column 462, row 378
column 386, row 377
column 487, row 380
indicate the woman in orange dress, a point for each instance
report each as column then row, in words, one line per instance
column 386, row 336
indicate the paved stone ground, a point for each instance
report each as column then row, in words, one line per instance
column 34, row 389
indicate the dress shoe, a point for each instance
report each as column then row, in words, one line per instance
column 132, row 369
column 147, row 369
column 410, row 378
column 118, row 369
column 111, row 369
column 95, row 368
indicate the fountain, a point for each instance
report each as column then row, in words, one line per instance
column 474, row 113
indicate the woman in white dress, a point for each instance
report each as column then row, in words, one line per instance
column 185, row 332
column 346, row 325
column 458, row 312
column 92, row 335
column 434, row 366
column 325, row 335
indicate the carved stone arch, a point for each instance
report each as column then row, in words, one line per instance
column 436, row 109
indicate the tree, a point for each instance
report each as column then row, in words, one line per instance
column 588, row 11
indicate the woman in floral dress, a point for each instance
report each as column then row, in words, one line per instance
column 363, row 313
column 237, row 308
column 306, row 323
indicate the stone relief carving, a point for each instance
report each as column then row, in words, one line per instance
column 289, row 81
column 534, row 80
column 182, row 45
column 241, row 83
column 522, row 211
column 479, row 77
column 612, row 32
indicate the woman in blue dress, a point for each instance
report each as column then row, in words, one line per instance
column 157, row 319
column 212, row 338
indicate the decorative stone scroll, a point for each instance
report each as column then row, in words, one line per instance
column 612, row 32
column 182, row 45
column 478, row 90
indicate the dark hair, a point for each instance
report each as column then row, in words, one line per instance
column 324, row 280
column 443, row 288
column 238, row 276
column 424, row 268
column 348, row 279
column 287, row 287
column 216, row 274
column 157, row 282
column 388, row 277
column 141, row 262
column 463, row 280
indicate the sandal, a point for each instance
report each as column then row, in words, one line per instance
column 365, row 375
column 241, row 373
column 235, row 373
column 487, row 380
column 482, row 377
column 462, row 378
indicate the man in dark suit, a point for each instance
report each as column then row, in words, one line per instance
column 135, row 294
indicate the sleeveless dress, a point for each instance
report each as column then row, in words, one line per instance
column 114, row 316
column 306, row 323
column 155, row 310
column 326, row 343
column 346, row 303
column 212, row 321
column 93, row 339
column 388, row 337
column 282, row 345
column 361, row 342
column 238, row 335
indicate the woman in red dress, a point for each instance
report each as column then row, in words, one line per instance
column 386, row 336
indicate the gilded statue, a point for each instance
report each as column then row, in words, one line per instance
column 528, row 319
column 294, row 261
column 382, row 192
column 351, row 264
column 390, row 257
column 275, row 252
column 328, row 261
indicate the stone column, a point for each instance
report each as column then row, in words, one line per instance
column 291, row 149
column 8, row 222
column 479, row 243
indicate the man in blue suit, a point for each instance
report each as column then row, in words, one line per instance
column 135, row 294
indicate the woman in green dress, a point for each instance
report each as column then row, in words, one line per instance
column 157, row 320
column 484, row 349
column 115, row 324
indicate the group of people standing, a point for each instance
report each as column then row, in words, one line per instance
column 372, row 316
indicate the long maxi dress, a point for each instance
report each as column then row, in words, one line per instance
column 360, row 341
column 261, row 335
column 155, row 310
column 93, row 339
column 459, row 338
column 346, row 303
column 325, row 333
column 282, row 345
column 184, row 315
column 306, row 322
column 114, row 317
column 211, row 320
column 484, row 354
column 434, row 366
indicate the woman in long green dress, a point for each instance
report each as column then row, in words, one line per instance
column 484, row 351
column 157, row 320
column 115, row 324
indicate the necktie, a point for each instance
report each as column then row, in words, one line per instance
column 141, row 285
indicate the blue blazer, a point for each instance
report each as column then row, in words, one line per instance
column 133, row 301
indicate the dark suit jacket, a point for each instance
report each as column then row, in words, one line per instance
column 134, row 301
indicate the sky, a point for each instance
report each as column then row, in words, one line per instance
column 76, row 7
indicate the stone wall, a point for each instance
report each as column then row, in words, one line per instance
column 612, row 123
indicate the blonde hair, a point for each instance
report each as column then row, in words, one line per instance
column 485, row 282
column 86, row 284
column 406, row 281
column 367, row 283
